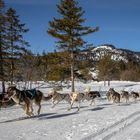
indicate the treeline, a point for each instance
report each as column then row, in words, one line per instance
column 109, row 69
column 54, row 66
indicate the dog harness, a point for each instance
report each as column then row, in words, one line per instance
column 30, row 93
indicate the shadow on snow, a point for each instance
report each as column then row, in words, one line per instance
column 27, row 117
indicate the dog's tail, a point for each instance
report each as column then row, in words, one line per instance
column 46, row 98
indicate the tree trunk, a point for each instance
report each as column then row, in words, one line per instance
column 1, row 69
column 72, row 79
column 104, row 82
column 30, row 84
column 108, row 82
column 12, row 71
column 3, row 86
column 72, row 72
column 12, row 62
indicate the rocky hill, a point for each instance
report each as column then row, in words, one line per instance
column 125, row 55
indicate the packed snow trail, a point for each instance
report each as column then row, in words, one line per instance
column 116, row 131
column 131, row 132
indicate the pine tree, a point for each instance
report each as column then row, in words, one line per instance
column 2, row 43
column 15, row 42
column 69, row 30
column 28, row 64
column 107, row 68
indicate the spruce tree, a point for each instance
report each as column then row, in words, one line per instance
column 69, row 30
column 107, row 68
column 15, row 42
column 2, row 43
column 56, row 69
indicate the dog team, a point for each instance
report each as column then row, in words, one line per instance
column 26, row 98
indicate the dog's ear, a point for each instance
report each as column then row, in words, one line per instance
column 51, row 91
column 87, row 89
column 71, row 95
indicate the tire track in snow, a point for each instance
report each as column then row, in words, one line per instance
column 107, row 133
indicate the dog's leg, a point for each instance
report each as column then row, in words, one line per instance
column 39, row 108
column 126, row 100
column 113, row 99
column 27, row 110
column 135, row 100
column 72, row 102
column 92, row 102
column 69, row 102
column 0, row 105
column 54, row 104
column 78, row 106
column 38, row 103
column 31, row 109
column 119, row 100
column 28, row 106
column 109, row 98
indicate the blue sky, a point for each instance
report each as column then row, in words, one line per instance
column 118, row 20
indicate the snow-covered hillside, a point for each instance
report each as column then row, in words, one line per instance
column 117, row 54
column 104, row 121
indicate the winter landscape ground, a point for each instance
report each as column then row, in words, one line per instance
column 103, row 121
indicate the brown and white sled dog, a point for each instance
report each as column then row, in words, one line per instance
column 135, row 95
column 113, row 95
column 3, row 100
column 58, row 97
column 109, row 95
column 88, row 95
column 91, row 95
column 25, row 98
column 125, row 96
column 76, row 97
